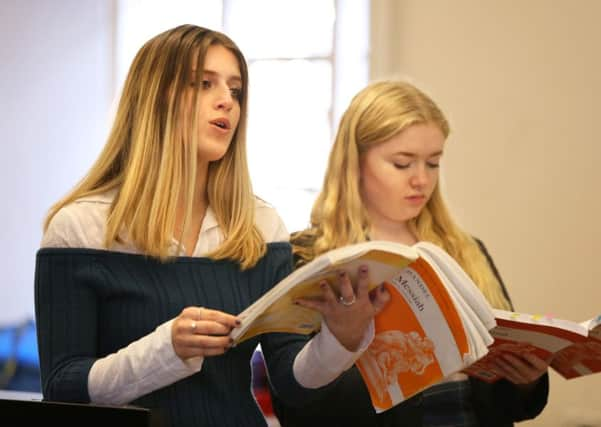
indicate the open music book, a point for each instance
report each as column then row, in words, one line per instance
column 276, row 312
column 436, row 323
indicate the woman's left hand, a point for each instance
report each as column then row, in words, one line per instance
column 522, row 369
column 349, row 314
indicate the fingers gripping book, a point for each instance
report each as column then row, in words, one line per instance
column 276, row 312
column 436, row 323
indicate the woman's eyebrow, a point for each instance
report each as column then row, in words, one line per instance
column 234, row 78
column 409, row 154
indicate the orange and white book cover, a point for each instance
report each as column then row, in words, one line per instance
column 419, row 338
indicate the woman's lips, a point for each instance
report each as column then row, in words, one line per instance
column 221, row 123
column 415, row 199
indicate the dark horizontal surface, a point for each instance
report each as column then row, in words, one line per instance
column 18, row 408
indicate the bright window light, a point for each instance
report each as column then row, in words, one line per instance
column 307, row 58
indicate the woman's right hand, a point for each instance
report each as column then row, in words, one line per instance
column 349, row 313
column 201, row 332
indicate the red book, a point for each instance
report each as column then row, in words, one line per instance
column 574, row 348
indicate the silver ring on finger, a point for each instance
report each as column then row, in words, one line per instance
column 193, row 326
column 347, row 303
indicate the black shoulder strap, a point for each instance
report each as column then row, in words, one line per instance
column 494, row 270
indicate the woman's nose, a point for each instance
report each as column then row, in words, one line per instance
column 225, row 100
column 420, row 177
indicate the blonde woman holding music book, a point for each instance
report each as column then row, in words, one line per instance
column 382, row 183
column 145, row 263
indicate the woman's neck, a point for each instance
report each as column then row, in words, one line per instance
column 395, row 232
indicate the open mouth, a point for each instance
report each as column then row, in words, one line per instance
column 221, row 123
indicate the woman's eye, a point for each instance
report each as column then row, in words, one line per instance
column 236, row 93
column 401, row 165
column 205, row 84
column 433, row 165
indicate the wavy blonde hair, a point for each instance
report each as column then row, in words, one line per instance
column 150, row 166
column 376, row 114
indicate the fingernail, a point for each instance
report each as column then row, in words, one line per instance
column 238, row 323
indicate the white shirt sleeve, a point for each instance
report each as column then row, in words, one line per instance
column 143, row 366
column 323, row 358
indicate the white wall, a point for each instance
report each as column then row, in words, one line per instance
column 55, row 88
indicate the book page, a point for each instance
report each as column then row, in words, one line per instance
column 594, row 327
column 461, row 284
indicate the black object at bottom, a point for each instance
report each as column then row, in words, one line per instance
column 19, row 411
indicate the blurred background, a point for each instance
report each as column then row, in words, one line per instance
column 520, row 82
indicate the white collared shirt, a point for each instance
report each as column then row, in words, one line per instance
column 151, row 363
column 83, row 224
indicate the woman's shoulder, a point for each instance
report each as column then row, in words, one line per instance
column 269, row 222
column 303, row 238
column 79, row 224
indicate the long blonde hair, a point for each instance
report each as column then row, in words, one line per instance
column 150, row 166
column 376, row 114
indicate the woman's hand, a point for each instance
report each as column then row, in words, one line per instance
column 522, row 369
column 349, row 314
column 199, row 331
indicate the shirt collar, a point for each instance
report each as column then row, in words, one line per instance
column 106, row 197
column 209, row 221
